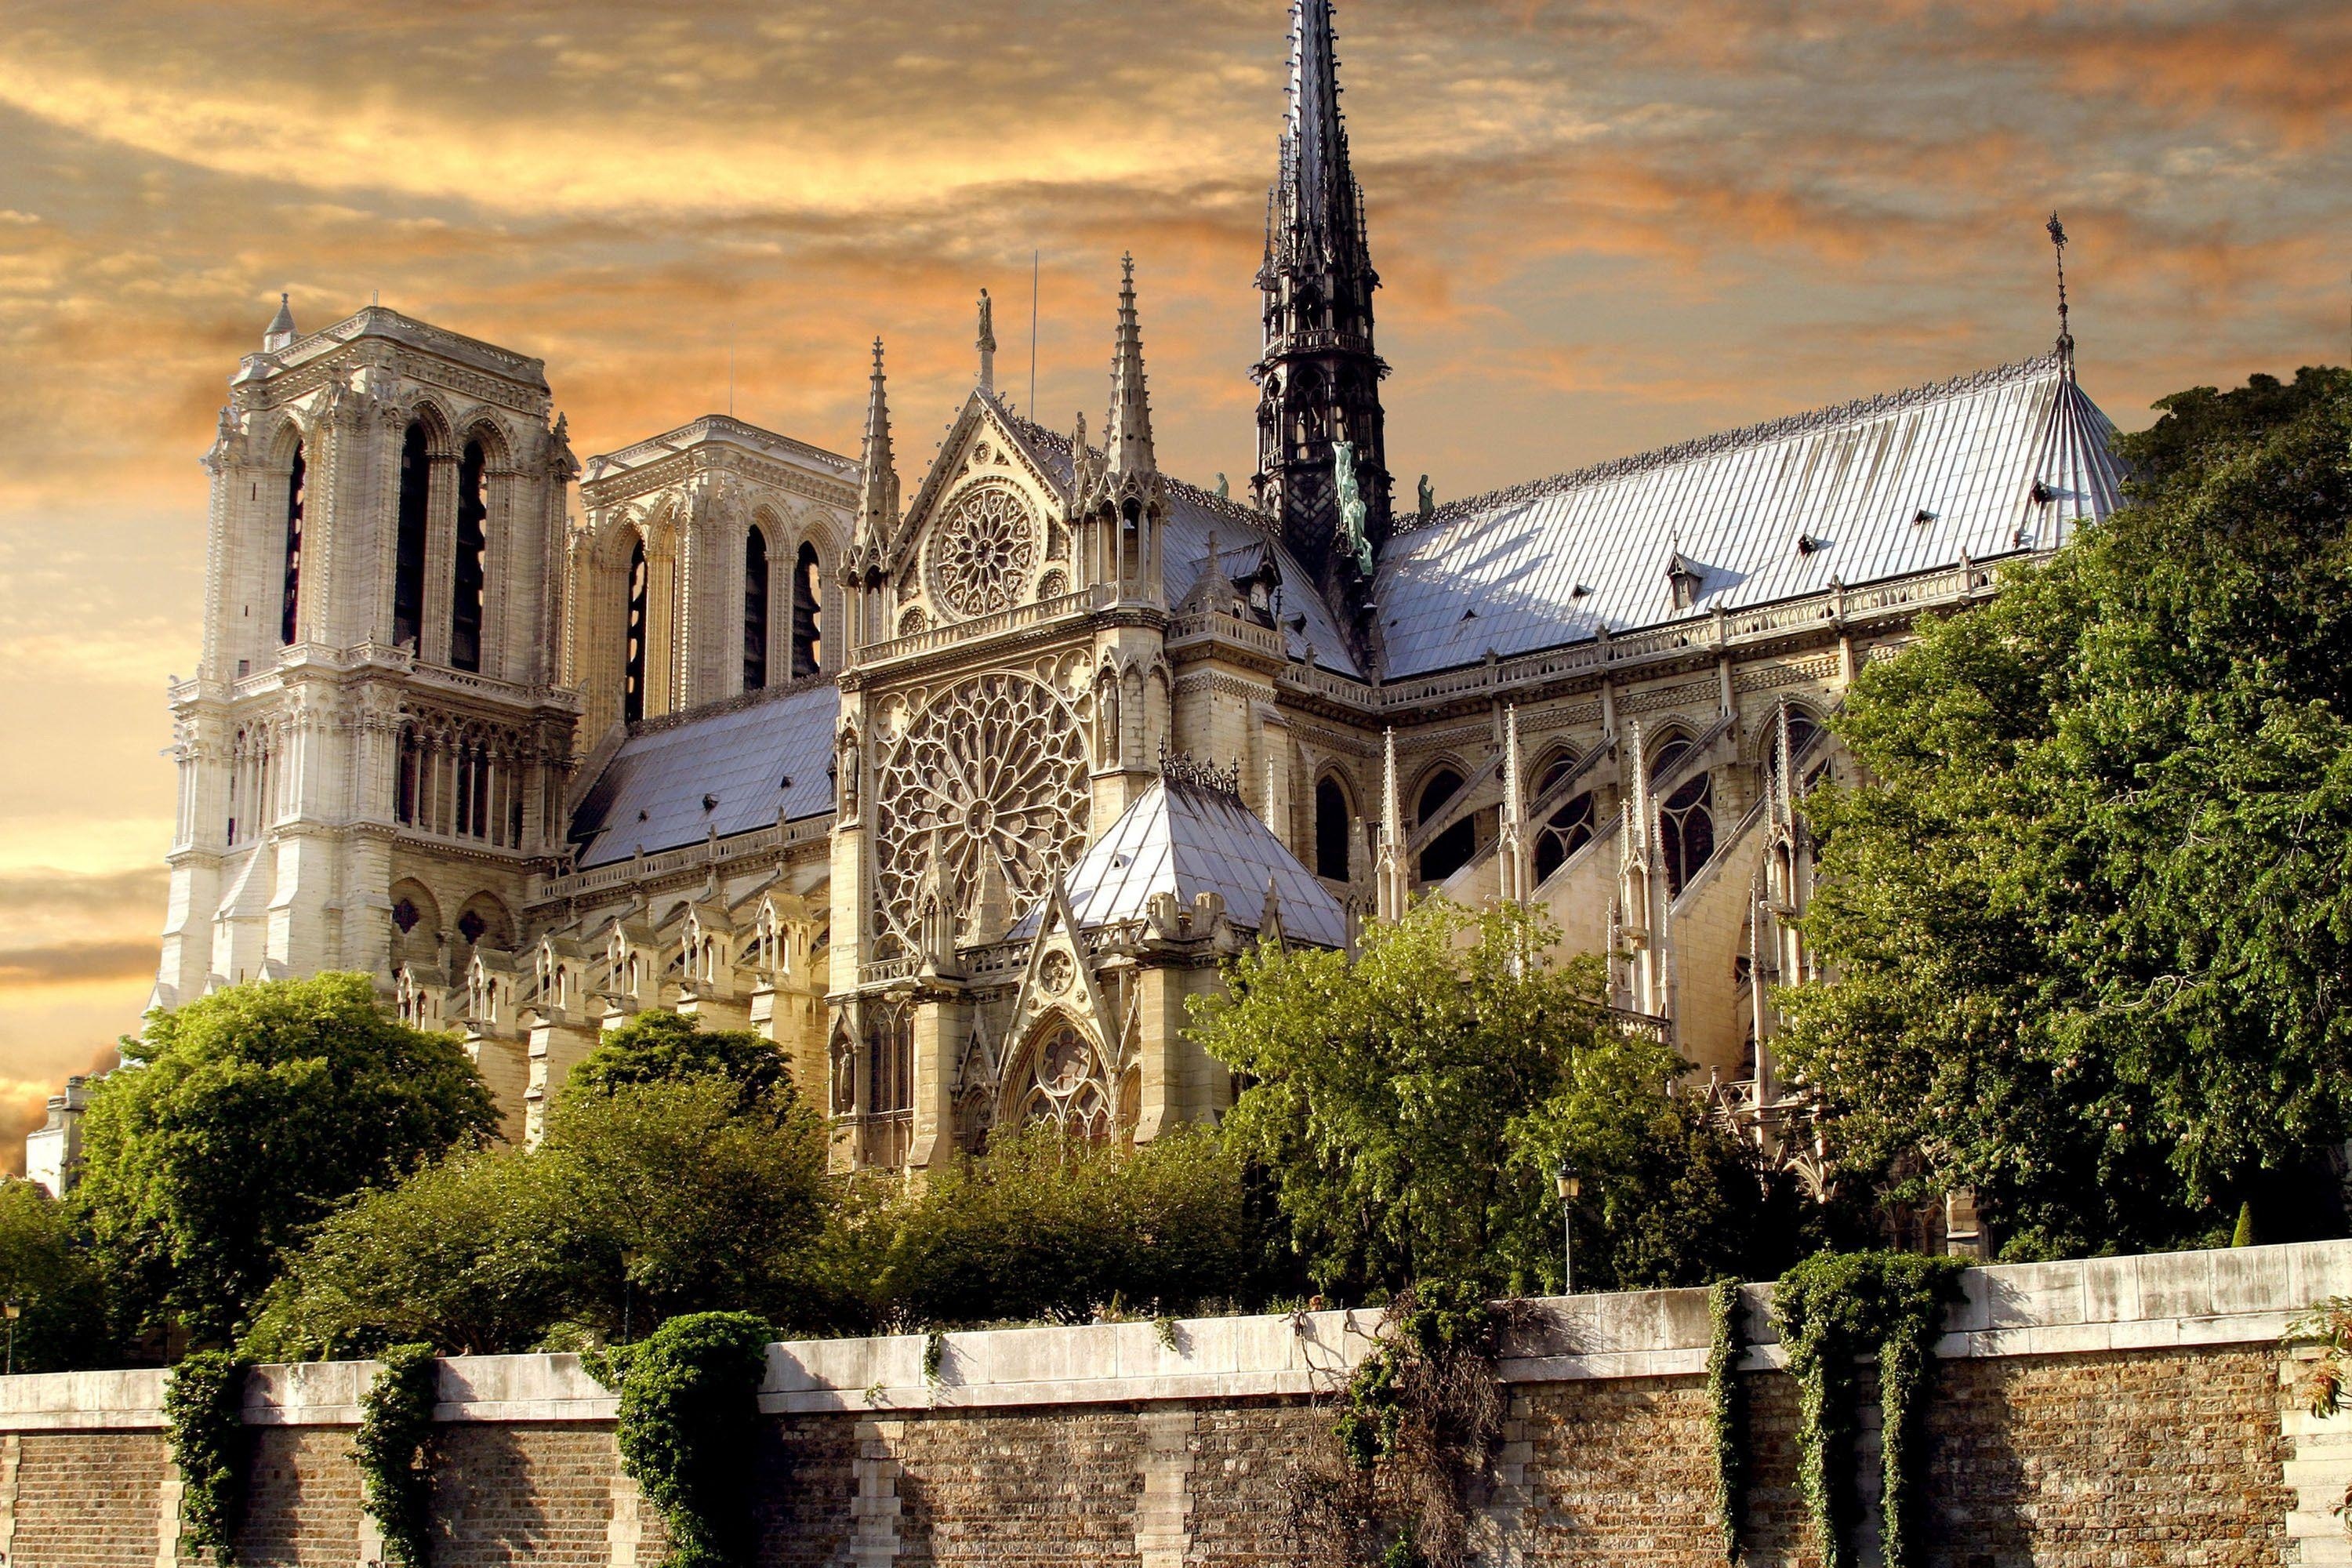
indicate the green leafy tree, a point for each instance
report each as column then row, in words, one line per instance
column 1413, row 1108
column 2089, row 920
column 1045, row 1226
column 45, row 1273
column 666, row 1183
column 241, row 1122
column 660, row 1047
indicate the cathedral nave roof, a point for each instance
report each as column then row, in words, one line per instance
column 2008, row 461
column 755, row 761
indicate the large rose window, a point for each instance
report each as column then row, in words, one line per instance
column 982, row 555
column 995, row 769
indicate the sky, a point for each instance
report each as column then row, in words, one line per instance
column 1601, row 229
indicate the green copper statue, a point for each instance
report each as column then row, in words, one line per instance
column 1221, row 492
column 1352, row 510
column 1428, row 500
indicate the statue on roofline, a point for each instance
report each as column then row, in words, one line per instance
column 1428, row 500
column 1352, row 510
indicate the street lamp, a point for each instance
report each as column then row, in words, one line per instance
column 1571, row 1186
column 15, row 1309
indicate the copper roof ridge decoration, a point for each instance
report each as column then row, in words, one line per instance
column 1725, row 441
column 1182, row 770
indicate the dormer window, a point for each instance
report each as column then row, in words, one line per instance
column 1682, row 581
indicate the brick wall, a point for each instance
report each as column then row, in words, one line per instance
column 2069, row 1425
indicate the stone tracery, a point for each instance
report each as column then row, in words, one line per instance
column 982, row 554
column 996, row 769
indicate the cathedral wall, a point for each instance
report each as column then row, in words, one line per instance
column 2117, row 1410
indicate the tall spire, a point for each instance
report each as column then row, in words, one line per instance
column 1392, row 885
column 1127, row 433
column 1318, row 375
column 2057, row 232
column 879, row 492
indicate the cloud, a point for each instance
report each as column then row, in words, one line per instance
column 76, row 964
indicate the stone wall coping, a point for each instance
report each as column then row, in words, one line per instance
column 2156, row 1300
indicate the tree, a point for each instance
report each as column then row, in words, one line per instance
column 241, row 1122
column 2090, row 921
column 1043, row 1225
column 1413, row 1106
column 49, row 1276
column 660, row 1047
column 678, row 1175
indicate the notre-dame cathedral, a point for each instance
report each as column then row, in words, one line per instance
column 959, row 787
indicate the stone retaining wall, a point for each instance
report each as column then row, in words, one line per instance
column 2114, row 1411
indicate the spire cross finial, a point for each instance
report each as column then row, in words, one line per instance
column 2057, row 232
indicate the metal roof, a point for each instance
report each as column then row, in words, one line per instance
column 650, row 795
column 1878, row 489
column 1187, row 839
column 1193, row 514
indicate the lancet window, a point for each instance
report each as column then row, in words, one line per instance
column 1569, row 828
column 459, row 779
column 633, row 666
column 296, row 480
column 1330, row 830
column 808, row 611
column 1686, row 818
column 1452, row 850
column 1067, row 1084
column 755, row 608
column 472, row 564
column 408, row 547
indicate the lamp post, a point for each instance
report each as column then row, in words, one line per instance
column 15, row 1309
column 1571, row 1186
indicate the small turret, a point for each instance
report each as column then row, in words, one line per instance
column 279, row 335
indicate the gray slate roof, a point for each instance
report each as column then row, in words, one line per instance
column 1180, row 837
column 1545, row 563
column 650, row 795
column 1193, row 514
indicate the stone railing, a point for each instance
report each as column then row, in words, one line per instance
column 690, row 857
column 962, row 634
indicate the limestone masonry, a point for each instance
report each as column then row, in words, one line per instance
column 2123, row 1411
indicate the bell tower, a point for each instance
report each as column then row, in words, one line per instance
column 1318, row 377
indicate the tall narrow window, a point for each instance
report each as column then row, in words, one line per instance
column 296, row 479
column 632, row 672
column 472, row 552
column 808, row 611
column 1331, row 830
column 1570, row 828
column 1452, row 850
column 1686, row 818
column 755, row 609
column 408, row 552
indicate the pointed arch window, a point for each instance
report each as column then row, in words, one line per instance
column 891, row 1061
column 808, row 611
column 1452, row 850
column 408, row 546
column 1067, row 1086
column 633, row 666
column 297, row 482
column 1568, row 829
column 1330, row 830
column 755, row 608
column 473, row 559
column 1686, row 819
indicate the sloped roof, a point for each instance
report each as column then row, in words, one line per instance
column 1193, row 514
column 1184, row 838
column 650, row 795
column 1546, row 564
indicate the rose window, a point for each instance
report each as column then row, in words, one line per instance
column 995, row 772
column 982, row 555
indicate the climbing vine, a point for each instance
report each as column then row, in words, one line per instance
column 396, row 1432
column 2327, row 1324
column 1728, row 1410
column 1831, row 1308
column 203, row 1418
column 688, row 1425
column 1418, row 1423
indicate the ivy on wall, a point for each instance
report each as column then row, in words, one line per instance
column 393, row 1452
column 1831, row 1308
column 1727, row 1409
column 204, row 1420
column 689, row 1422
